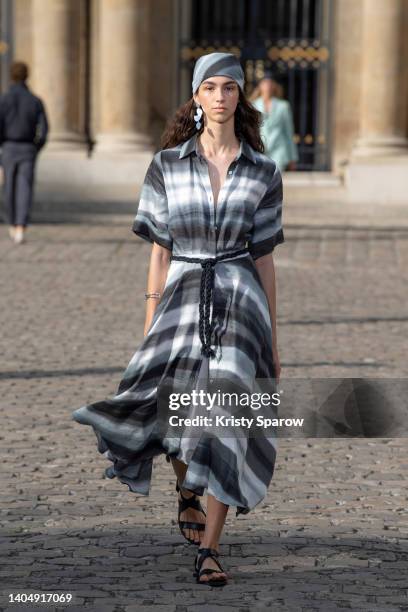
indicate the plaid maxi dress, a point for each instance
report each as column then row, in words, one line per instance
column 177, row 211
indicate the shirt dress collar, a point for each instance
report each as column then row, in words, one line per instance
column 191, row 145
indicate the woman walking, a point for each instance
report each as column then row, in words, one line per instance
column 211, row 205
column 277, row 129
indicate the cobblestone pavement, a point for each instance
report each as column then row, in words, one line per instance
column 332, row 532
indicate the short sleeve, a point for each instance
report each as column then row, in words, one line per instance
column 152, row 217
column 267, row 230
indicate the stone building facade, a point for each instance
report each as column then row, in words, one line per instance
column 111, row 71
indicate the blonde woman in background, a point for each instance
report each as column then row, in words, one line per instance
column 277, row 126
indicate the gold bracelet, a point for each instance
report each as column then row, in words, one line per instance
column 154, row 294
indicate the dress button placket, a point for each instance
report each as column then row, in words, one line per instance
column 212, row 207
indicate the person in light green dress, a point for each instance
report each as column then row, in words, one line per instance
column 277, row 125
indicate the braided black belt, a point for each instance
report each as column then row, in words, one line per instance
column 206, row 294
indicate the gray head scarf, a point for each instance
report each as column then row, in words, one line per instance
column 217, row 64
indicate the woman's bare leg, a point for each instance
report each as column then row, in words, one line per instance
column 180, row 470
column 216, row 515
column 190, row 514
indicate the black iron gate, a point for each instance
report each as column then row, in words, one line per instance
column 290, row 36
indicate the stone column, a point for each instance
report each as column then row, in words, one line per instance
column 383, row 95
column 123, row 65
column 55, row 69
column 376, row 173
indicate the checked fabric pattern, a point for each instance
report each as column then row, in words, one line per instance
column 204, row 328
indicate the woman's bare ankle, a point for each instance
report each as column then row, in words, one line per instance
column 209, row 544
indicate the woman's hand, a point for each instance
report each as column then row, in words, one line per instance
column 147, row 326
column 276, row 362
column 266, row 270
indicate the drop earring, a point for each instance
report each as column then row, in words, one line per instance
column 197, row 116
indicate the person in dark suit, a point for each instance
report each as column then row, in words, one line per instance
column 23, row 132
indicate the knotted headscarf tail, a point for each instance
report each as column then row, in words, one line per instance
column 217, row 64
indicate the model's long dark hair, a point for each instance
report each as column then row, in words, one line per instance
column 247, row 122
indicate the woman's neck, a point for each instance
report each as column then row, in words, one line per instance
column 267, row 102
column 219, row 139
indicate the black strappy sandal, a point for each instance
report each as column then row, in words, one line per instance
column 184, row 503
column 204, row 553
